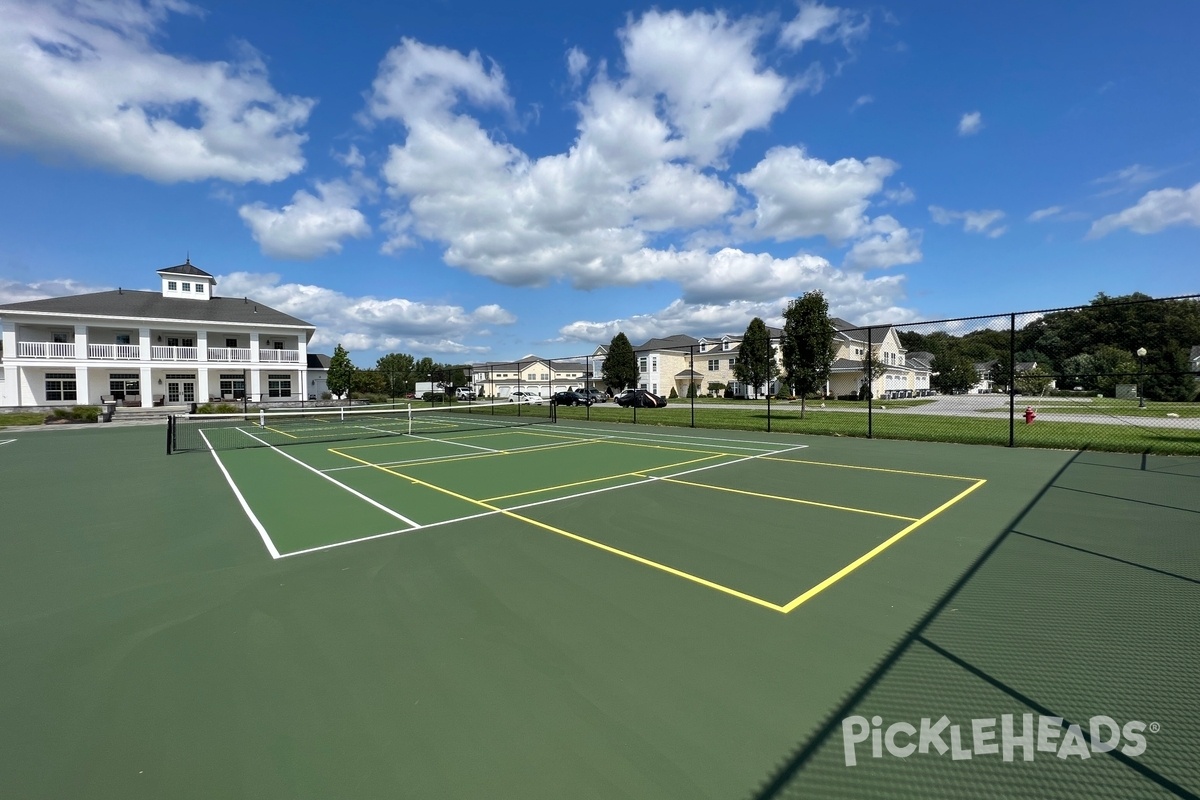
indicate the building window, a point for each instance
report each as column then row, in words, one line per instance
column 172, row 286
column 732, row 362
column 724, row 345
column 714, row 365
column 187, row 287
column 199, row 288
column 121, row 384
column 121, row 338
column 172, row 341
column 58, row 337
column 60, row 386
column 233, row 385
column 231, row 343
column 642, row 366
column 279, row 385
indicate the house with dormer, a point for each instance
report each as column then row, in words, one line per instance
column 181, row 344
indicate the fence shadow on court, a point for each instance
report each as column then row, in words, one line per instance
column 1057, row 618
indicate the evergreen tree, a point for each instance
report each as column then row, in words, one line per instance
column 341, row 372
column 396, row 371
column 620, row 370
column 807, row 344
column 755, row 364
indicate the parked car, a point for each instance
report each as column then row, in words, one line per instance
column 463, row 393
column 526, row 397
column 595, row 395
column 640, row 398
column 570, row 399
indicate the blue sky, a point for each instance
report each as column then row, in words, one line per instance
column 473, row 181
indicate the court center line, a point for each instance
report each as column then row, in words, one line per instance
column 456, row 443
column 598, row 480
column 863, row 559
column 440, row 459
column 262, row 531
column 788, row 499
column 334, row 481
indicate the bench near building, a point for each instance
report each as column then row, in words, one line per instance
column 181, row 344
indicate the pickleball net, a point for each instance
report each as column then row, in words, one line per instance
column 267, row 428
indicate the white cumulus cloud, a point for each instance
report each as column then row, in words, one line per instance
column 1157, row 210
column 310, row 226
column 87, row 80
column 367, row 323
column 970, row 123
column 983, row 221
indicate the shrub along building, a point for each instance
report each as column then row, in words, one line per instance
column 180, row 344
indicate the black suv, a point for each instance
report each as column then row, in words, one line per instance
column 595, row 395
column 641, row 398
column 570, row 399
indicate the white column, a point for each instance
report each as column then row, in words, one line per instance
column 12, row 375
column 83, row 395
column 302, row 347
column 254, row 344
column 202, row 393
column 9, row 337
column 81, row 341
column 305, row 389
column 144, row 351
column 202, row 345
column 255, row 388
column 145, row 387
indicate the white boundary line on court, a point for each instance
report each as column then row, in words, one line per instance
column 8, row 441
column 334, row 481
column 463, row 456
column 262, row 532
column 646, row 480
column 613, row 434
column 455, row 442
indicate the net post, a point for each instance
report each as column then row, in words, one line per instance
column 410, row 429
column 870, row 386
column 1012, row 379
column 170, row 433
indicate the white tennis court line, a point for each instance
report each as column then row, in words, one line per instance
column 646, row 480
column 456, row 443
column 463, row 456
column 262, row 531
column 335, row 482
column 8, row 441
column 677, row 439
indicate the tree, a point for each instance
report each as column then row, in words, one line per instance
column 620, row 370
column 396, row 369
column 807, row 344
column 755, row 365
column 1034, row 381
column 873, row 370
column 953, row 373
column 341, row 372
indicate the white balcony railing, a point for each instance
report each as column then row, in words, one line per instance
column 279, row 356
column 158, row 353
column 121, row 352
column 46, row 350
column 229, row 354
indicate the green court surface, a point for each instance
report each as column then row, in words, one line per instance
column 585, row 611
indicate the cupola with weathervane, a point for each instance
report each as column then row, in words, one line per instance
column 187, row 282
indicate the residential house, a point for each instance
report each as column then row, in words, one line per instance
column 543, row 376
column 180, row 344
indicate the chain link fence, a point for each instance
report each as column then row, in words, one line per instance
column 1116, row 376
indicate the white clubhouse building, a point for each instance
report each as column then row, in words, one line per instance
column 181, row 344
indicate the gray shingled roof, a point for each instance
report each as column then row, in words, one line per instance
column 318, row 361
column 152, row 305
column 185, row 269
column 669, row 342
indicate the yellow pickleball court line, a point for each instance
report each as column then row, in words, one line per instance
column 607, row 548
column 789, row 499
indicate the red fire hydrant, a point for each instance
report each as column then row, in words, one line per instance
column 1029, row 415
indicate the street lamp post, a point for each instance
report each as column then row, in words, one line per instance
column 1141, row 354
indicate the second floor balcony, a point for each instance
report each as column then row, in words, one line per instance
column 69, row 351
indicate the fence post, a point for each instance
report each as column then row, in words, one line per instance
column 1012, row 379
column 691, row 379
column 870, row 387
